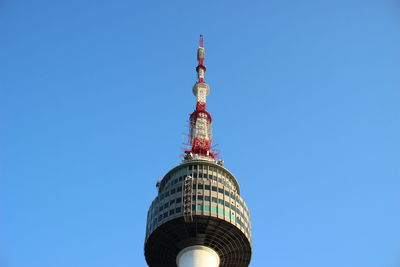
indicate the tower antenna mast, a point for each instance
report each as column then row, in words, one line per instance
column 200, row 132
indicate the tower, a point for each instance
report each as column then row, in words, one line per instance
column 198, row 218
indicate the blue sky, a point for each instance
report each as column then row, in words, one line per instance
column 95, row 96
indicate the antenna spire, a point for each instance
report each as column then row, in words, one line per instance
column 201, row 69
column 200, row 136
column 201, row 41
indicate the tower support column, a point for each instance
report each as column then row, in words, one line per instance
column 197, row 256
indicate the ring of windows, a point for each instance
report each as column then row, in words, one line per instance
column 199, row 171
column 200, row 186
column 169, row 205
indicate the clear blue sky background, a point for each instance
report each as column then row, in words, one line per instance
column 95, row 96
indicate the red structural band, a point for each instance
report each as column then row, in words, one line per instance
column 200, row 106
column 196, row 114
column 201, row 66
column 201, row 147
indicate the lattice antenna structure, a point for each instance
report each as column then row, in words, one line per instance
column 200, row 130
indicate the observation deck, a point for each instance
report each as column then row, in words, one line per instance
column 198, row 203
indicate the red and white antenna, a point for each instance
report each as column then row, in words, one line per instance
column 200, row 131
column 201, row 69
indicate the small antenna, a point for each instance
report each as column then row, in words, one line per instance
column 201, row 41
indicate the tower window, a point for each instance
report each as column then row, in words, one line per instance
column 213, row 209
